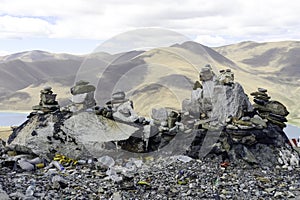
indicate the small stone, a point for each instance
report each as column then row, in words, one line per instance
column 47, row 88
column 290, row 194
column 3, row 195
column 245, row 118
column 262, row 90
column 278, row 194
column 230, row 126
column 82, row 82
column 269, row 190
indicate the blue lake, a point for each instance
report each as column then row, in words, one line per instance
column 12, row 118
column 15, row 119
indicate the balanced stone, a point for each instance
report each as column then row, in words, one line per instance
column 262, row 90
column 277, row 108
column 83, row 96
column 278, row 117
column 226, row 77
column 82, row 82
column 120, row 95
column 159, row 115
column 260, row 102
column 47, row 88
column 80, row 89
column 206, row 74
column 280, row 124
column 258, row 93
column 261, row 97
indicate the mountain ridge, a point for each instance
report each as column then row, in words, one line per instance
column 23, row 74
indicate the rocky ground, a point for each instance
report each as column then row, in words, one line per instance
column 175, row 177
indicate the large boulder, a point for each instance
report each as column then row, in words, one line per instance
column 218, row 102
column 79, row 135
column 229, row 101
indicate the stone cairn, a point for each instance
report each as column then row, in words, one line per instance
column 83, row 96
column 48, row 101
column 272, row 111
column 238, row 132
column 122, row 108
column 226, row 77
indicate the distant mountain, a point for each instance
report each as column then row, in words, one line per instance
column 36, row 55
column 160, row 77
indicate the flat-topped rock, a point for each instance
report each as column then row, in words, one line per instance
column 120, row 95
column 262, row 90
column 258, row 93
column 82, row 82
column 277, row 108
column 81, row 89
column 47, row 88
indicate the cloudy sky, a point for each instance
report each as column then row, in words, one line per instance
column 78, row 26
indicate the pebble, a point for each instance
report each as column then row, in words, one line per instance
column 204, row 180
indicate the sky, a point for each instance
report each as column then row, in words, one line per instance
column 79, row 26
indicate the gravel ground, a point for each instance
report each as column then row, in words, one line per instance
column 162, row 178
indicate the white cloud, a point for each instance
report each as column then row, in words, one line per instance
column 23, row 27
column 4, row 53
column 212, row 22
column 210, row 40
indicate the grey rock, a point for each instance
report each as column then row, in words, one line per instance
column 290, row 194
column 124, row 112
column 48, row 99
column 17, row 195
column 86, row 100
column 230, row 126
column 25, row 165
column 247, row 118
column 47, row 88
column 81, row 89
column 58, row 182
column 249, row 140
column 3, row 195
column 80, row 136
column 278, row 194
column 258, row 121
column 82, row 82
column 262, row 90
column 277, row 108
column 160, row 114
column 206, row 74
column 229, row 101
column 243, row 127
column 118, row 95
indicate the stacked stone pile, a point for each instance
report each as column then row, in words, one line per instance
column 273, row 111
column 122, row 107
column 226, row 77
column 48, row 101
column 241, row 151
column 83, row 96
